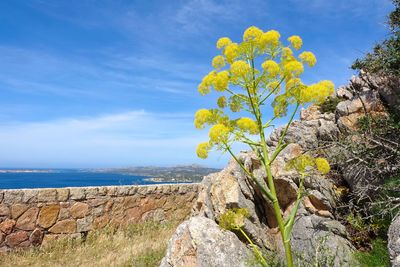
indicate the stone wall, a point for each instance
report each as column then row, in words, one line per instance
column 29, row 217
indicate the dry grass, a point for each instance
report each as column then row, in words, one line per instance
column 139, row 245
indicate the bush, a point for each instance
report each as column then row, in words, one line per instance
column 385, row 57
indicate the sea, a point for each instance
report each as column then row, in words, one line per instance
column 18, row 179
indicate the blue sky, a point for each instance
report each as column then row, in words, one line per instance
column 113, row 83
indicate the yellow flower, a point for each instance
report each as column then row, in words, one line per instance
column 218, row 134
column 308, row 58
column 287, row 54
column 240, row 68
column 271, row 67
column 218, row 62
column 252, row 34
column 221, row 81
column 223, row 42
column 269, row 38
column 233, row 219
column 221, row 102
column 201, row 117
column 293, row 83
column 204, row 86
column 317, row 93
column 295, row 41
column 231, row 52
column 202, row 150
column 322, row 165
column 274, row 86
column 293, row 68
column 248, row 125
column 300, row 163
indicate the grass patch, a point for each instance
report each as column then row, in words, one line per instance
column 377, row 257
column 138, row 245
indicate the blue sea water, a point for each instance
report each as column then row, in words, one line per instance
column 67, row 178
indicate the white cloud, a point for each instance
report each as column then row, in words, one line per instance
column 129, row 138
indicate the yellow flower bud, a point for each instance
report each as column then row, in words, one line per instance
column 271, row 67
column 201, row 117
column 202, row 150
column 248, row 125
column 308, row 58
column 221, row 81
column 295, row 41
column 293, row 68
column 223, row 42
column 218, row 62
column 240, row 68
column 221, row 102
column 322, row 165
column 231, row 52
column 218, row 134
column 252, row 34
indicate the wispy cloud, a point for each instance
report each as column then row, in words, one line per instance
column 130, row 138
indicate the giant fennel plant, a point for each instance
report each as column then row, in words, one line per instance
column 249, row 76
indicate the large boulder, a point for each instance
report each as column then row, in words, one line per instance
column 394, row 242
column 200, row 242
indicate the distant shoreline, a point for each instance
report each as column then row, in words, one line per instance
column 25, row 171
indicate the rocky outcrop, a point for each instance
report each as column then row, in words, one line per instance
column 316, row 235
column 29, row 216
column 199, row 242
column 394, row 242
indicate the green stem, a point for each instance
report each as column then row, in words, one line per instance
column 262, row 188
column 279, row 146
column 257, row 251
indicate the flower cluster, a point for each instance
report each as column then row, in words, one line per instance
column 306, row 163
column 247, row 125
column 245, row 85
column 308, row 58
column 322, row 165
column 271, row 67
column 201, row 117
column 202, row 150
column 219, row 134
column 233, row 219
column 295, row 41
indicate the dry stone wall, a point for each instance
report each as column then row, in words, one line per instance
column 30, row 217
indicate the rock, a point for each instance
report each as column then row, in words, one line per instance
column 13, row 196
column 62, row 194
column 48, row 215
column 4, row 210
column 27, row 220
column 84, row 224
column 101, row 222
column 2, row 238
column 201, row 242
column 77, row 193
column 394, row 241
column 17, row 210
column 350, row 111
column 313, row 112
column 342, row 92
column 7, row 226
column 79, row 210
column 14, row 239
column 47, row 195
column 317, row 239
column 64, row 227
column 36, row 237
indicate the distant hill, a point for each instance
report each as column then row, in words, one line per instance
column 180, row 173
